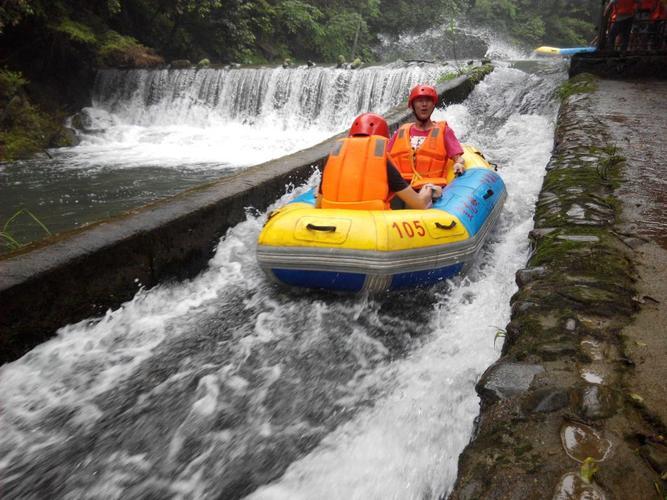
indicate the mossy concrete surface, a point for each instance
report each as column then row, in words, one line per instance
column 80, row 274
column 569, row 360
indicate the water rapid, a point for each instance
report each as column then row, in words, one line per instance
column 227, row 386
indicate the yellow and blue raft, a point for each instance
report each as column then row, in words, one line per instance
column 557, row 51
column 375, row 250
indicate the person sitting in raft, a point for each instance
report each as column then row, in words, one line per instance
column 359, row 175
column 421, row 150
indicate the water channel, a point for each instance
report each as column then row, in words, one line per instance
column 227, row 386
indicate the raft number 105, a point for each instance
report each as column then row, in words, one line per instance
column 418, row 228
column 410, row 228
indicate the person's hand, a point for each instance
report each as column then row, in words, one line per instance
column 436, row 191
column 459, row 166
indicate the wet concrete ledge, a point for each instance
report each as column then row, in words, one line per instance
column 559, row 414
column 82, row 273
column 615, row 66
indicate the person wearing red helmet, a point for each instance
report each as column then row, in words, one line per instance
column 421, row 150
column 359, row 175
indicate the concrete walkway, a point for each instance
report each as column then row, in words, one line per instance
column 577, row 405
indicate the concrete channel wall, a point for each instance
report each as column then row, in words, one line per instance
column 576, row 407
column 82, row 273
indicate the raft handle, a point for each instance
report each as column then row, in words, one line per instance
column 452, row 225
column 327, row 229
column 488, row 194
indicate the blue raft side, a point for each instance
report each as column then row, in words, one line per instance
column 307, row 197
column 424, row 278
column 471, row 197
column 354, row 282
column 576, row 50
column 348, row 282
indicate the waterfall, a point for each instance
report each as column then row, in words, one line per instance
column 324, row 97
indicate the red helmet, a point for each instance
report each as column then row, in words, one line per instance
column 422, row 91
column 369, row 124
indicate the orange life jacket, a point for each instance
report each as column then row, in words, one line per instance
column 624, row 7
column 355, row 175
column 428, row 164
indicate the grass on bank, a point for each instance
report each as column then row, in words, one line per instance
column 8, row 239
column 583, row 83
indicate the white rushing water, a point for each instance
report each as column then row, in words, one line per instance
column 232, row 117
column 226, row 385
column 407, row 446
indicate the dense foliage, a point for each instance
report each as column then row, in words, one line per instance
column 49, row 49
column 255, row 31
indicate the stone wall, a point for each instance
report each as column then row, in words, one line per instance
column 557, row 417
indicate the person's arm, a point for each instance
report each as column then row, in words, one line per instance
column 459, row 166
column 454, row 150
column 404, row 191
column 420, row 200
column 318, row 195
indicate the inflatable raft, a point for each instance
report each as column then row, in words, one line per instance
column 557, row 51
column 375, row 250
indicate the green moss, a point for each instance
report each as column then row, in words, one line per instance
column 25, row 130
column 446, row 77
column 475, row 74
column 112, row 40
column 77, row 32
column 10, row 83
column 16, row 145
column 580, row 84
column 124, row 51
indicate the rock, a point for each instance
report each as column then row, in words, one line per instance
column 556, row 351
column 576, row 212
column 65, row 136
column 525, row 276
column 572, row 487
column 522, row 306
column 597, row 402
column 581, row 441
column 505, row 380
column 546, row 400
column 204, row 63
column 539, row 233
column 547, row 197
